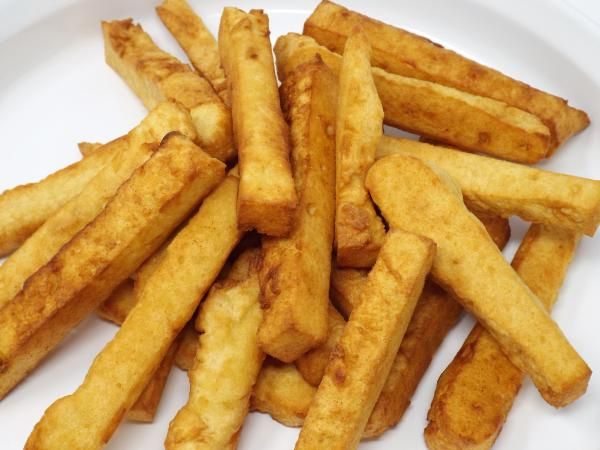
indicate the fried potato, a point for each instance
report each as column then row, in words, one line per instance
column 345, row 287
column 118, row 305
column 294, row 276
column 475, row 393
column 464, row 120
column 184, row 359
column 422, row 199
column 87, row 418
column 408, row 54
column 131, row 152
column 281, row 392
column 87, row 148
column 363, row 357
column 313, row 363
column 83, row 273
column 503, row 188
column 25, row 208
column 359, row 231
column 267, row 198
column 155, row 76
column 227, row 363
column 196, row 41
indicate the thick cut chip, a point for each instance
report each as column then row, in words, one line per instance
column 132, row 151
column 475, row 393
column 87, row 419
column 227, row 362
column 404, row 53
column 197, row 42
column 156, row 76
column 87, row 148
column 359, row 231
column 422, row 199
column 363, row 357
column 267, row 197
column 464, row 120
column 120, row 302
column 294, row 276
column 140, row 216
column 24, row 209
column 281, row 392
column 505, row 189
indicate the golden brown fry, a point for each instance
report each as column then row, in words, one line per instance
column 294, row 276
column 196, row 41
column 87, row 148
column 87, row 418
column 408, row 54
column 24, row 209
column 313, row 363
column 144, row 408
column 422, row 199
column 359, row 231
column 345, row 287
column 131, row 152
column 446, row 114
column 475, row 393
column 83, row 273
column 121, row 301
column 227, row 363
column 281, row 392
column 363, row 357
column 503, row 188
column 267, row 198
column 184, row 359
column 155, row 76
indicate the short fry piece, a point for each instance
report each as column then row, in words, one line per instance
column 24, row 209
column 281, row 392
column 227, row 364
column 464, row 120
column 83, row 273
column 313, row 363
column 130, row 152
column 267, row 198
column 475, row 393
column 362, row 359
column 121, row 301
column 184, row 359
column 87, row 148
column 359, row 231
column 408, row 54
column 503, row 188
column 196, row 41
column 294, row 276
column 155, row 76
column 191, row 263
column 418, row 198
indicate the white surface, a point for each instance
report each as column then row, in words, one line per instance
column 55, row 90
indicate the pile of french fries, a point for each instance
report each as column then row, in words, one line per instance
column 270, row 240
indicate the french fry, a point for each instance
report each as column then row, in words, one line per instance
column 196, row 41
column 294, row 276
column 363, row 357
column 408, row 54
column 281, row 392
column 118, row 305
column 267, row 198
column 83, row 273
column 422, row 199
column 87, row 148
column 503, row 188
column 24, row 209
column 435, row 315
column 359, row 231
column 184, row 359
column 156, row 76
column 475, row 393
column 464, row 120
column 131, row 152
column 313, row 363
column 227, row 363
column 191, row 263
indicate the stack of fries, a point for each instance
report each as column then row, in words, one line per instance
column 270, row 240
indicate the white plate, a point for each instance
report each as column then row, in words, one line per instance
column 55, row 90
